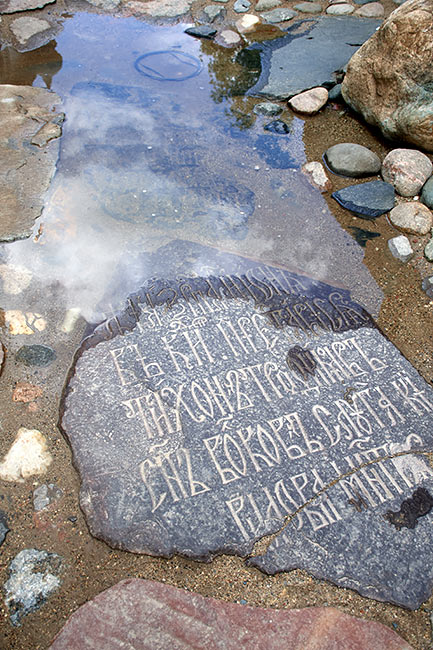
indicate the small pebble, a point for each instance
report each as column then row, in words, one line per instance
column 3, row 527
column 413, row 217
column 316, row 174
column 247, row 23
column 27, row 456
column 241, row 6
column 371, row 10
column 201, row 31
column 211, row 13
column 24, row 392
column 267, row 108
column 310, row 101
column 350, row 159
column 340, row 10
column 400, row 248
column 228, row 38
column 308, row 7
column 264, row 5
column 277, row 126
column 278, row 15
column 33, row 578
column 427, row 193
column 44, row 495
column 407, row 170
column 428, row 251
column 36, row 355
column 427, row 286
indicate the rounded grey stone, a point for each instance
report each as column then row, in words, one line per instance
column 264, row 5
column 427, row 193
column 340, row 10
column 350, row 159
column 278, row 15
column 241, row 6
column 267, row 108
column 413, row 217
column 36, row 355
column 400, row 248
column 428, row 251
column 308, row 7
column 427, row 286
column 334, row 94
column 407, row 170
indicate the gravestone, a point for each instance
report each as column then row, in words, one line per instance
column 217, row 412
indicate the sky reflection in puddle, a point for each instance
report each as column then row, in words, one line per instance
column 146, row 161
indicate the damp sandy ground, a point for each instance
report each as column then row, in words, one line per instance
column 405, row 317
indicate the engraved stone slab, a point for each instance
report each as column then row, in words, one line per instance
column 215, row 411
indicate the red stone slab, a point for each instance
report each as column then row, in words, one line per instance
column 144, row 615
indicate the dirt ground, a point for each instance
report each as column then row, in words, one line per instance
column 92, row 566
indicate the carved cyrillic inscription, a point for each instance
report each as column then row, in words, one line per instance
column 213, row 410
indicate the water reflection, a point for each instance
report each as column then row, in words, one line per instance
column 30, row 68
column 144, row 163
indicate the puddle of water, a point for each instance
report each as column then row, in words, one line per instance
column 160, row 145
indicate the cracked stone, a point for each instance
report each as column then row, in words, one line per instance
column 266, row 384
column 25, row 174
column 155, row 614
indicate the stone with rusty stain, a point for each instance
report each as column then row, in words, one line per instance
column 25, row 174
column 155, row 615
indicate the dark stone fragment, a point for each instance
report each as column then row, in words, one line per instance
column 3, row 527
column 201, row 31
column 36, row 355
column 277, row 126
column 427, row 286
column 72, row 519
column 334, row 94
column 411, row 509
column 427, row 193
column 363, row 236
column 367, row 200
column 301, row 361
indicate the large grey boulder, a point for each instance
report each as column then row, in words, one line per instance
column 389, row 79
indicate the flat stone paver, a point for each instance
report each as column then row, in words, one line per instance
column 26, row 169
column 148, row 615
column 304, row 59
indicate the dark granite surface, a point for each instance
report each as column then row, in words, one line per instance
column 213, row 409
